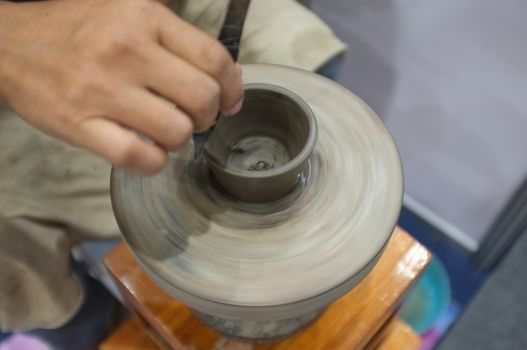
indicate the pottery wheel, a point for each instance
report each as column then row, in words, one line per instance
column 270, row 260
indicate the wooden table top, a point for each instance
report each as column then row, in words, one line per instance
column 350, row 323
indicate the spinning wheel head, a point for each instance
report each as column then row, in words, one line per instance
column 259, row 262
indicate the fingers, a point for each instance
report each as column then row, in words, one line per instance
column 121, row 147
column 153, row 116
column 206, row 54
column 192, row 90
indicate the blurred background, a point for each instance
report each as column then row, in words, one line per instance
column 449, row 79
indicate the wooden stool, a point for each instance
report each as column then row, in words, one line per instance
column 362, row 319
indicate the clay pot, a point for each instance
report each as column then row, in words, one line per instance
column 258, row 154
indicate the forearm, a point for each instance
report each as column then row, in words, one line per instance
column 6, row 20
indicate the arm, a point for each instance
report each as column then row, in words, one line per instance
column 88, row 72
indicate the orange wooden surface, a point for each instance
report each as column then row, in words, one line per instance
column 399, row 337
column 394, row 335
column 131, row 335
column 350, row 323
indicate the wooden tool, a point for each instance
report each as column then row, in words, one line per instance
column 230, row 36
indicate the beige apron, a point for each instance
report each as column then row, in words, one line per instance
column 53, row 195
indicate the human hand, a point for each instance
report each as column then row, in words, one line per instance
column 90, row 72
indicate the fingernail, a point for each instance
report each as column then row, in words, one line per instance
column 236, row 108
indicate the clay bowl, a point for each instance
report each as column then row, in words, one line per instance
column 258, row 154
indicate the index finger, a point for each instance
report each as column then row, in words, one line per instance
column 205, row 53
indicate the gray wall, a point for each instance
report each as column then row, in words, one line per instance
column 449, row 78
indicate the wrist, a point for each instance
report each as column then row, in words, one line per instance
column 7, row 27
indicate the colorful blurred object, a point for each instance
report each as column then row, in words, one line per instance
column 23, row 342
column 428, row 300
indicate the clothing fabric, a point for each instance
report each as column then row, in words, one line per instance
column 53, row 196
column 278, row 31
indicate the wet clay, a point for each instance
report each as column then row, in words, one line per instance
column 257, row 153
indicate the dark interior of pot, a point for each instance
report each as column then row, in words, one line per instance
column 270, row 130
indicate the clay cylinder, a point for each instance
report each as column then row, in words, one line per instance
column 258, row 154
